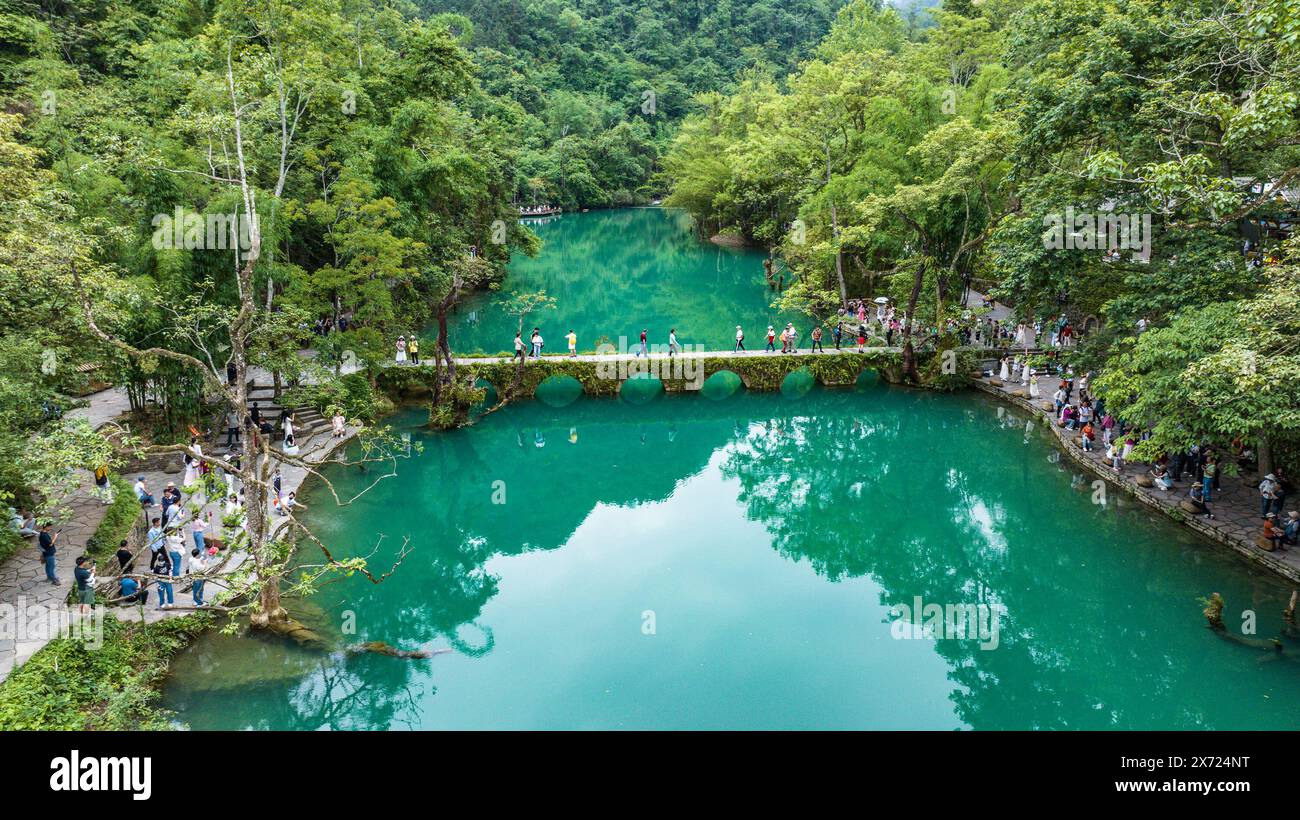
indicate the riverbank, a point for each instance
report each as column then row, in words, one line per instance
column 1236, row 504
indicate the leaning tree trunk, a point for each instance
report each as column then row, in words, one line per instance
column 909, row 352
column 1265, row 454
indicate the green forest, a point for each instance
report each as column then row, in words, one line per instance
column 917, row 164
column 362, row 162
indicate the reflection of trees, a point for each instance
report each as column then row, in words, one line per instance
column 931, row 496
column 615, row 272
column 256, row 683
column 923, row 502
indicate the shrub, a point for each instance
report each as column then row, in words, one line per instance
column 122, row 515
column 69, row 686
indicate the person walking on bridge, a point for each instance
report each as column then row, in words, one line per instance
column 644, row 349
column 817, row 339
column 740, row 340
column 519, row 346
column 572, row 338
column 672, row 342
column 771, row 339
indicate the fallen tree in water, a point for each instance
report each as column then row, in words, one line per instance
column 382, row 648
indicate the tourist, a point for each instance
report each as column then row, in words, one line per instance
column 1161, row 477
column 1033, row 384
column 290, row 504
column 339, row 424
column 1087, row 436
column 192, row 463
column 1281, row 491
column 536, row 341
column 1208, row 471
column 47, row 542
column 25, row 524
column 1059, row 397
column 1107, row 426
column 519, row 347
column 255, row 415
column 130, row 592
column 862, row 338
column 1129, row 443
column 125, row 559
column 1273, row 532
column 233, row 426
column 740, row 340
column 673, row 348
column 154, row 537
column 572, row 339
column 1116, row 456
column 1292, row 529
column 103, row 489
column 837, row 334
column 198, row 565
column 1005, row 373
column 413, row 348
column 175, row 549
column 771, row 340
column 198, row 526
column 1267, row 494
column 84, row 576
column 817, row 339
column 401, row 350
column 1197, row 498
column 644, row 348
column 142, row 493
column 167, row 498
column 161, row 566
column 788, row 337
column 276, row 481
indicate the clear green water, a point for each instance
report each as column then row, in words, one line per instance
column 613, row 273
column 769, row 536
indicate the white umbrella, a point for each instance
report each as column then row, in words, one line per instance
column 881, row 300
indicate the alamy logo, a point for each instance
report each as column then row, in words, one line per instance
column 190, row 230
column 102, row 774
column 1087, row 231
column 948, row 622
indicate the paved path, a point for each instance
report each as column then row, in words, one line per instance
column 23, row 585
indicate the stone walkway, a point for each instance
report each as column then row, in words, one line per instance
column 36, row 602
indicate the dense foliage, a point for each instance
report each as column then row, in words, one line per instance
column 591, row 90
column 916, row 164
column 72, row 685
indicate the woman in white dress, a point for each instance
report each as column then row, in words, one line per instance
column 192, row 457
column 1005, row 373
column 1033, row 386
column 401, row 350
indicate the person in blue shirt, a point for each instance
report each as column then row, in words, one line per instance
column 154, row 538
column 131, row 591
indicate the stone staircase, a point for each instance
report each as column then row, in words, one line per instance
column 308, row 422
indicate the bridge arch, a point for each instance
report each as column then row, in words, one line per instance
column 723, row 384
column 558, row 390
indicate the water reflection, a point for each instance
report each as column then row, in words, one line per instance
column 867, row 498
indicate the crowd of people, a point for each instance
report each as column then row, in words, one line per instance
column 1201, row 464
